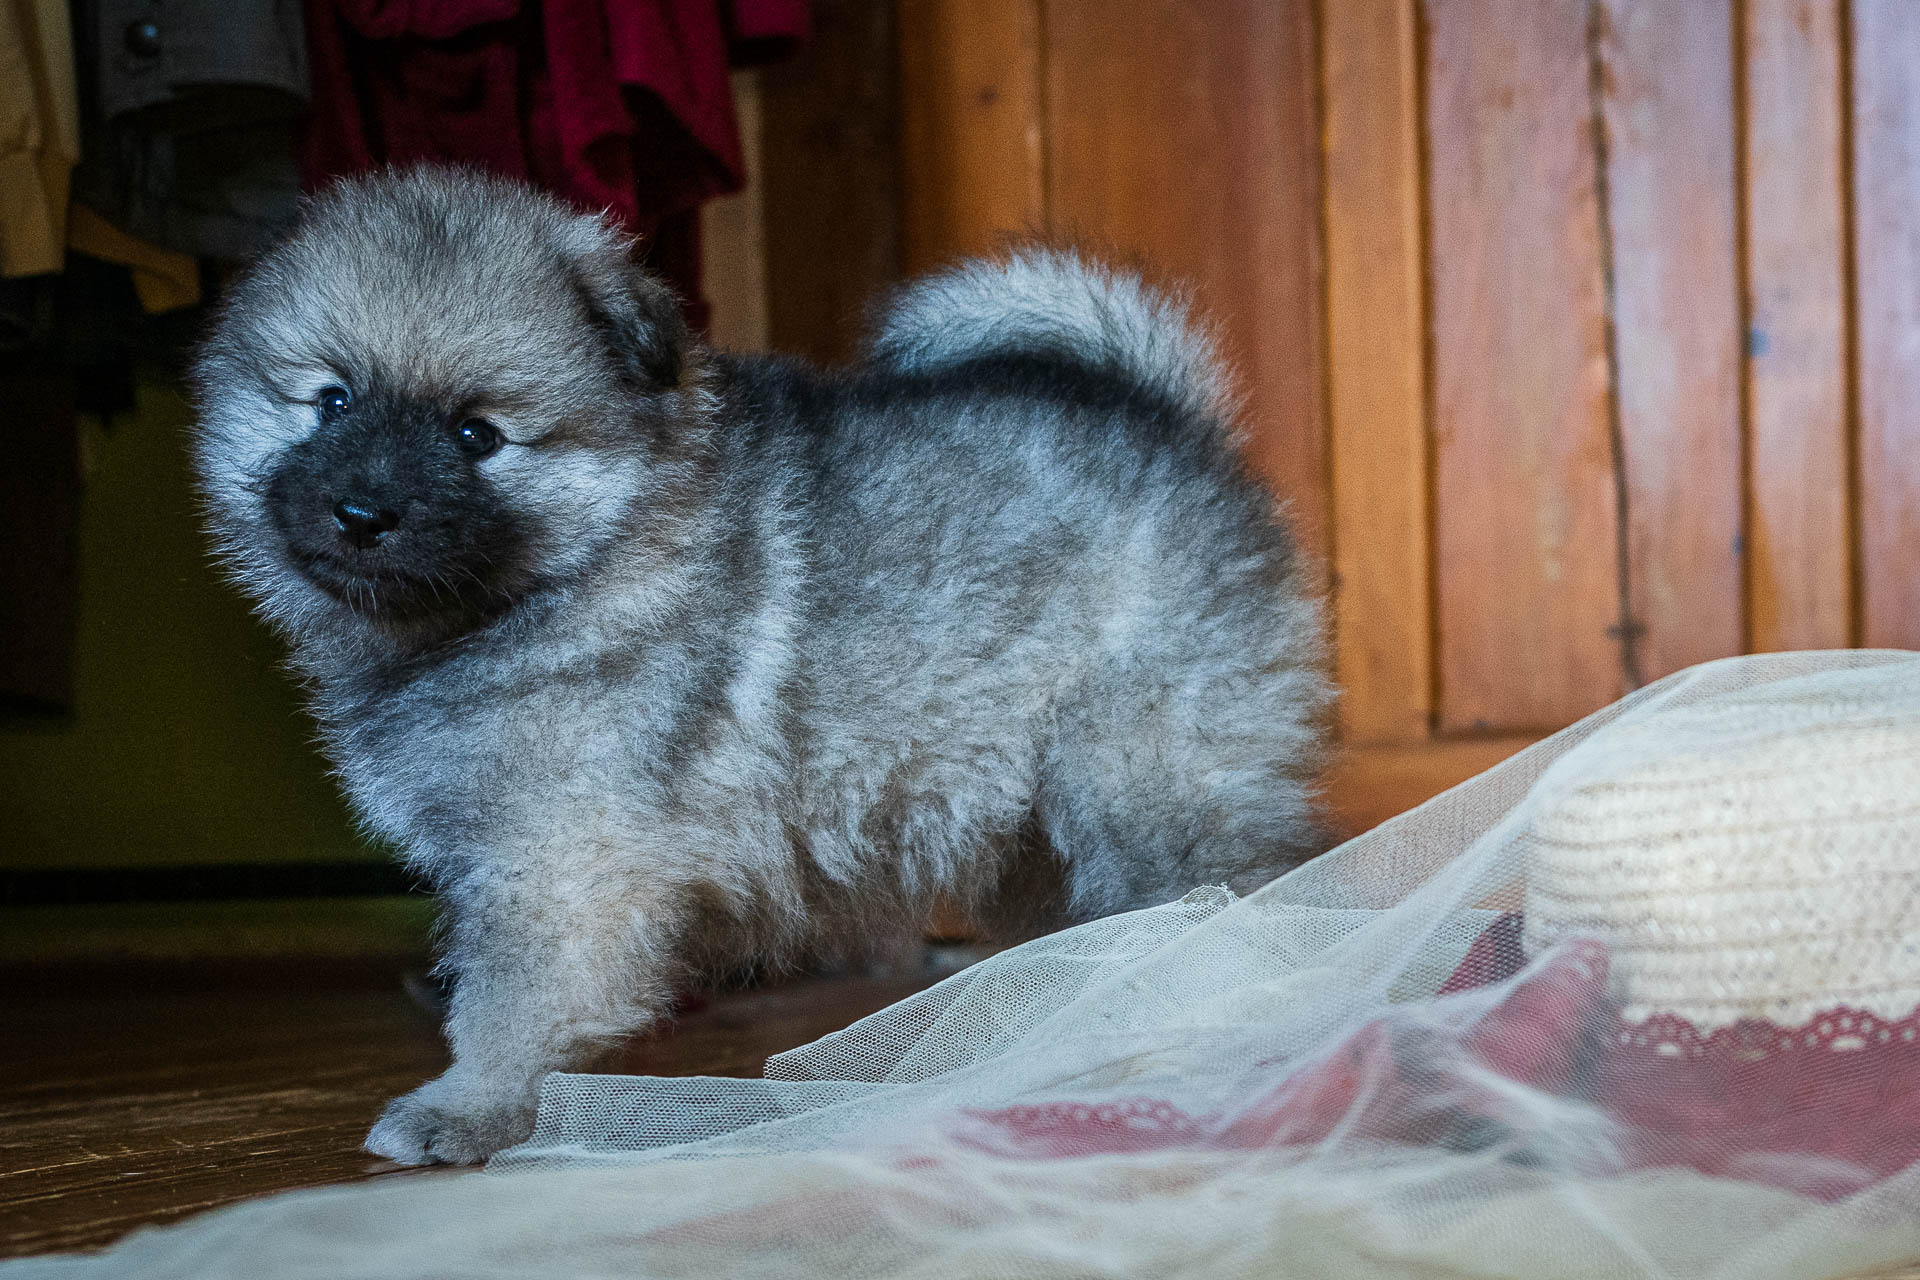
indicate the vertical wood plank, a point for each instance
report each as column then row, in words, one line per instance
column 1667, row 71
column 1186, row 136
column 1377, row 370
column 970, row 119
column 733, row 239
column 1524, row 491
column 830, row 179
column 1799, row 559
column 1886, row 178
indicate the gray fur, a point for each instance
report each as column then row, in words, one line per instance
column 721, row 660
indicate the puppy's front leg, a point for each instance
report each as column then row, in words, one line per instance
column 550, row 963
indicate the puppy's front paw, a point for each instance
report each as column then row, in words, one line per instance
column 452, row 1120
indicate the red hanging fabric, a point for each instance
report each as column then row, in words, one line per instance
column 616, row 105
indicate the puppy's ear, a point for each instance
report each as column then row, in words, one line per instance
column 639, row 317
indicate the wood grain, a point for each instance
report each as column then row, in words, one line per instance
column 1799, row 553
column 1668, row 98
column 1195, row 149
column 1886, row 176
column 128, row 1099
column 733, row 239
column 829, row 164
column 1525, row 512
column 138, row 1105
column 1369, row 784
column 1377, row 371
column 971, row 126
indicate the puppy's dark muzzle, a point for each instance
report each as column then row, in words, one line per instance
column 364, row 523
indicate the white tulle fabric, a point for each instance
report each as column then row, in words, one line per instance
column 1344, row 1074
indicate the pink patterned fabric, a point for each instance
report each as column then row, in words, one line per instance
column 1845, row 1087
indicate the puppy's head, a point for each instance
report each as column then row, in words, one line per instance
column 441, row 392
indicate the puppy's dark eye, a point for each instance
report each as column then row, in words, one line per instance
column 477, row 437
column 332, row 403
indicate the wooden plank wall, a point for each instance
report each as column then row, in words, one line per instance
column 1664, row 79
column 1377, row 372
column 792, row 262
column 1233, row 181
column 1886, row 281
column 1526, row 519
column 1800, row 580
column 1583, row 336
column 971, row 127
column 829, row 151
column 1015, row 125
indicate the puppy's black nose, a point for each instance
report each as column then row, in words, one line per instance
column 364, row 523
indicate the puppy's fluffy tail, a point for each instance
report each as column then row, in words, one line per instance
column 1053, row 304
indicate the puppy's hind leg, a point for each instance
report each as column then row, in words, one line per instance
column 553, row 958
column 1151, row 788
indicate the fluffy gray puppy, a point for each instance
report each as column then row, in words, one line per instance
column 658, row 660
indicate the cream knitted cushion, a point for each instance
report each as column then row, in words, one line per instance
column 1756, row 855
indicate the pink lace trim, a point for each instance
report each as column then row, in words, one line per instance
column 1825, row 1108
column 1840, row 1029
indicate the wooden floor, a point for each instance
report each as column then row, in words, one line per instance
column 132, row 1098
